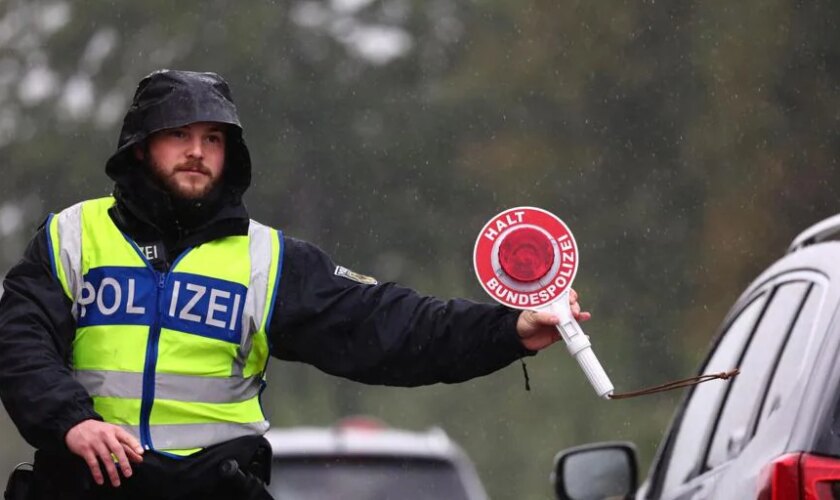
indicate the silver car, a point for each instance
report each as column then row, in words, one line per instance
column 362, row 461
column 774, row 431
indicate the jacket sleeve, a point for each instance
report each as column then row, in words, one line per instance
column 383, row 333
column 36, row 334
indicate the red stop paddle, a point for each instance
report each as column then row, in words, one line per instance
column 527, row 258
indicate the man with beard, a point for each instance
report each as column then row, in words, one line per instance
column 137, row 327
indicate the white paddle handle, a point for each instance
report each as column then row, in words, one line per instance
column 579, row 346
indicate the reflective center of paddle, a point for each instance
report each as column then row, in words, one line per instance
column 526, row 254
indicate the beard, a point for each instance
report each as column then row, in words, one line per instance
column 191, row 181
column 190, row 203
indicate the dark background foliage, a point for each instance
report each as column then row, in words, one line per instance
column 685, row 143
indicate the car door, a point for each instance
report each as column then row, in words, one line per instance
column 736, row 424
column 718, row 418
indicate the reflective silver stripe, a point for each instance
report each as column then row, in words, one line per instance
column 70, row 251
column 185, row 436
column 168, row 386
column 259, row 241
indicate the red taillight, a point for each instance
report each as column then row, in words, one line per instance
column 800, row 476
column 818, row 474
column 780, row 479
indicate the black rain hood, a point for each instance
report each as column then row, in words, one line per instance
column 169, row 99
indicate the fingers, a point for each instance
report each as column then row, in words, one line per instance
column 104, row 456
column 124, row 437
column 579, row 315
column 100, row 443
column 132, row 455
column 130, row 445
column 93, row 464
column 537, row 330
column 543, row 318
column 118, row 451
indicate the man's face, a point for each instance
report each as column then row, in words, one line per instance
column 188, row 160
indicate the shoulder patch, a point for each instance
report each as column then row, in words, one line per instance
column 352, row 275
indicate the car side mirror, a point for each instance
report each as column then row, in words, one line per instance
column 596, row 471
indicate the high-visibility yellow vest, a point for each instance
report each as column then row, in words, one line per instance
column 177, row 358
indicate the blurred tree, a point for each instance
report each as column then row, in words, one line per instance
column 685, row 143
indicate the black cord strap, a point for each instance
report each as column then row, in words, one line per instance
column 525, row 372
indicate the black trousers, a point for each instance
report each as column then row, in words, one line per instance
column 160, row 477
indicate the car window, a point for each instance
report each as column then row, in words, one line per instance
column 791, row 363
column 693, row 429
column 734, row 427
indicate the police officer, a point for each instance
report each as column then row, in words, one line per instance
column 135, row 332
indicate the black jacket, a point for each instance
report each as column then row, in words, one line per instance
column 376, row 334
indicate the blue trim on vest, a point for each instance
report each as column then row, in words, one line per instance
column 148, row 398
column 194, row 312
column 151, row 346
column 154, row 338
column 51, row 248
